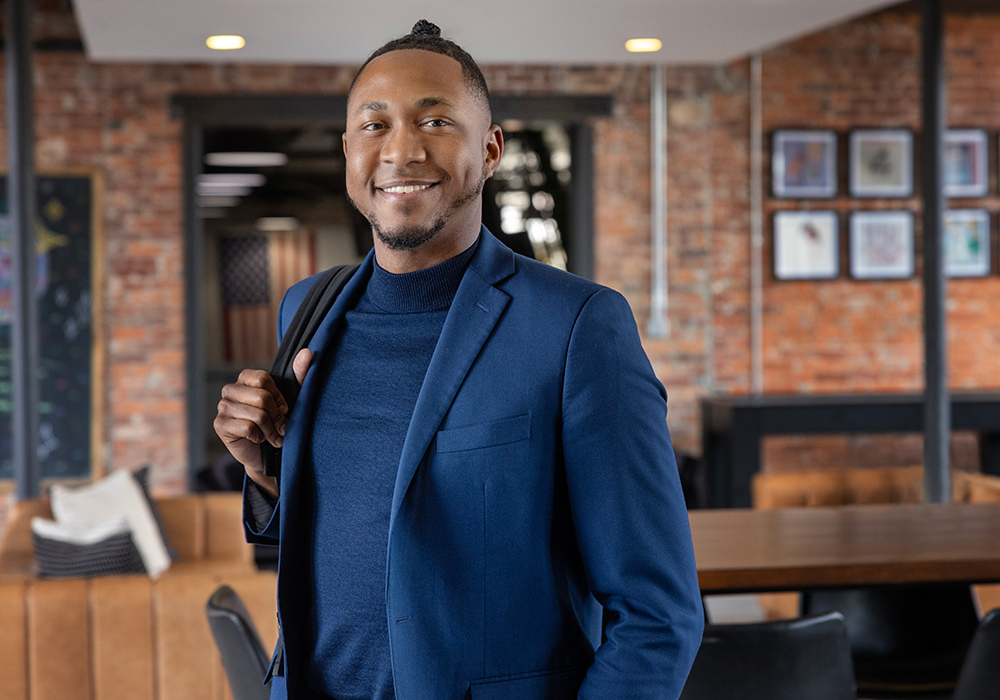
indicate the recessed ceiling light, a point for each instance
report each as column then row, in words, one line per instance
column 230, row 180
column 277, row 223
column 223, row 190
column 225, row 42
column 246, row 159
column 643, row 45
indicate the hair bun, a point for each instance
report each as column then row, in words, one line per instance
column 425, row 28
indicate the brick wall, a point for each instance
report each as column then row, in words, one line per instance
column 846, row 335
column 829, row 336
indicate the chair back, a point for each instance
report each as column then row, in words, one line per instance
column 980, row 676
column 906, row 641
column 243, row 655
column 782, row 660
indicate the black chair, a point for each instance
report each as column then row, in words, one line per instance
column 243, row 654
column 980, row 676
column 782, row 660
column 907, row 642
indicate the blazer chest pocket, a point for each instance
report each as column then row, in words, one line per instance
column 476, row 437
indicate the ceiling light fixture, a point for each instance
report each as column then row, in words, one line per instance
column 223, row 191
column 643, row 45
column 225, row 42
column 277, row 223
column 230, row 180
column 246, row 159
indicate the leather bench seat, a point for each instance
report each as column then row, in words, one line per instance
column 128, row 637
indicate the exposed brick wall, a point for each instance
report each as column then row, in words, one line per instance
column 826, row 336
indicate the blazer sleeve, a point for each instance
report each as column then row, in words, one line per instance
column 628, row 508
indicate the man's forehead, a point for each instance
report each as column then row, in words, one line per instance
column 413, row 69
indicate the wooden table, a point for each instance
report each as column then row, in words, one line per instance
column 793, row 548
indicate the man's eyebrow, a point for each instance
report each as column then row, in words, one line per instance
column 433, row 102
column 373, row 107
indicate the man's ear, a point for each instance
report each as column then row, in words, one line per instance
column 343, row 141
column 494, row 149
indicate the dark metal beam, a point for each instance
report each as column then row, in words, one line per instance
column 194, row 308
column 276, row 110
column 21, row 197
column 937, row 406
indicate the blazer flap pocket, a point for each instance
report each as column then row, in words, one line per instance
column 472, row 437
column 562, row 684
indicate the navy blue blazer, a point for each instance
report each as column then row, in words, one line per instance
column 537, row 485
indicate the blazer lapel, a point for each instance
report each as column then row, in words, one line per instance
column 474, row 313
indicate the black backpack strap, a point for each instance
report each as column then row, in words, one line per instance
column 310, row 314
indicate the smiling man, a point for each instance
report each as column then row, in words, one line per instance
column 477, row 470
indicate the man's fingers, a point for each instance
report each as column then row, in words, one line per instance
column 300, row 365
column 257, row 407
column 259, row 379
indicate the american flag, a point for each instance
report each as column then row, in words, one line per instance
column 255, row 272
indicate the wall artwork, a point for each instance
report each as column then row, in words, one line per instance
column 806, row 245
column 881, row 245
column 965, row 164
column 967, row 243
column 881, row 163
column 804, row 164
column 70, row 366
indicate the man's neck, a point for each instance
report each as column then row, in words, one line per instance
column 429, row 254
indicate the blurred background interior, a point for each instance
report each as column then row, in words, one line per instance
column 756, row 187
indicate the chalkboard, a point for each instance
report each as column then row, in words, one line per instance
column 68, row 284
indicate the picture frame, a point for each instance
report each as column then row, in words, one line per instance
column 881, row 163
column 965, row 163
column 806, row 245
column 70, row 286
column 966, row 243
column 881, row 244
column 804, row 163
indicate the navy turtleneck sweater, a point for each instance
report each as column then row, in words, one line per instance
column 372, row 382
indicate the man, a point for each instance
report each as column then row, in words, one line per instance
column 478, row 463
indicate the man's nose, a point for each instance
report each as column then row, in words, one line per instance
column 404, row 145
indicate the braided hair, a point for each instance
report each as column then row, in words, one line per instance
column 426, row 36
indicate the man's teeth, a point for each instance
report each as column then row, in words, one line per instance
column 406, row 189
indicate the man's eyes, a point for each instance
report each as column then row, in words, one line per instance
column 379, row 126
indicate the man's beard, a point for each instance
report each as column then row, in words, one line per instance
column 410, row 237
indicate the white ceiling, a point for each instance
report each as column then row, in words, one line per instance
column 493, row 31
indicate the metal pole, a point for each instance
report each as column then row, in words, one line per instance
column 659, row 326
column 756, row 226
column 937, row 403
column 21, row 197
column 194, row 287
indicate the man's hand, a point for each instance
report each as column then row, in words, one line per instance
column 253, row 410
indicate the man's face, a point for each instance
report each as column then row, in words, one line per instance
column 419, row 148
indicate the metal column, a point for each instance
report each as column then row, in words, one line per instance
column 658, row 325
column 21, row 196
column 937, row 405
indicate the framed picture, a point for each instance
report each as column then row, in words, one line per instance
column 881, row 244
column 806, row 245
column 70, row 288
column 965, row 166
column 966, row 243
column 881, row 163
column 804, row 164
